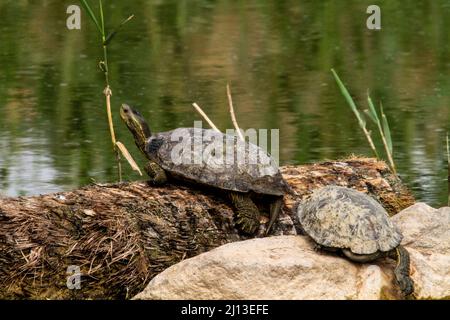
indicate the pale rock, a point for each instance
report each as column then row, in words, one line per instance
column 426, row 233
column 280, row 267
column 288, row 267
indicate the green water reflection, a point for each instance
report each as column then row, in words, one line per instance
column 277, row 56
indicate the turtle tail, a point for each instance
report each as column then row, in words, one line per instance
column 402, row 271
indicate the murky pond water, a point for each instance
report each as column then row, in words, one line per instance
column 276, row 55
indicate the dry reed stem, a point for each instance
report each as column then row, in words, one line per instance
column 203, row 114
column 108, row 94
column 233, row 117
column 391, row 160
column 369, row 139
column 128, row 157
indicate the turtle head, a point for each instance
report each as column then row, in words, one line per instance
column 136, row 124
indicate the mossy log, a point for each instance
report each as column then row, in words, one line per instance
column 122, row 235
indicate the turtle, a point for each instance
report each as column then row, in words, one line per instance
column 242, row 170
column 342, row 219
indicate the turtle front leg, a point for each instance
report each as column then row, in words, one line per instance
column 247, row 213
column 156, row 173
column 402, row 270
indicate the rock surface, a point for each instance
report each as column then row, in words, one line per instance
column 288, row 267
column 426, row 235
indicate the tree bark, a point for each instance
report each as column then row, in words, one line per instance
column 122, row 235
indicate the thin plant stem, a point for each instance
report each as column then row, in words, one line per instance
column 128, row 157
column 389, row 155
column 108, row 94
column 386, row 146
column 233, row 117
column 105, row 59
column 369, row 139
column 203, row 114
column 383, row 128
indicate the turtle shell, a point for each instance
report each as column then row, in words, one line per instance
column 339, row 217
column 215, row 159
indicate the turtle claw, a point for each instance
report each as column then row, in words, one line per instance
column 157, row 175
column 317, row 247
column 247, row 225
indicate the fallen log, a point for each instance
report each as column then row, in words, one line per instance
column 121, row 235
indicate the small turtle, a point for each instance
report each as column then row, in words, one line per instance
column 342, row 219
column 213, row 159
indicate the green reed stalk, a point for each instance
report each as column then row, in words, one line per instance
column 382, row 124
column 359, row 116
column 385, row 132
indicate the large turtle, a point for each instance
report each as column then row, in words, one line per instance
column 343, row 219
column 210, row 158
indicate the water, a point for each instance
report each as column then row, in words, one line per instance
column 276, row 55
